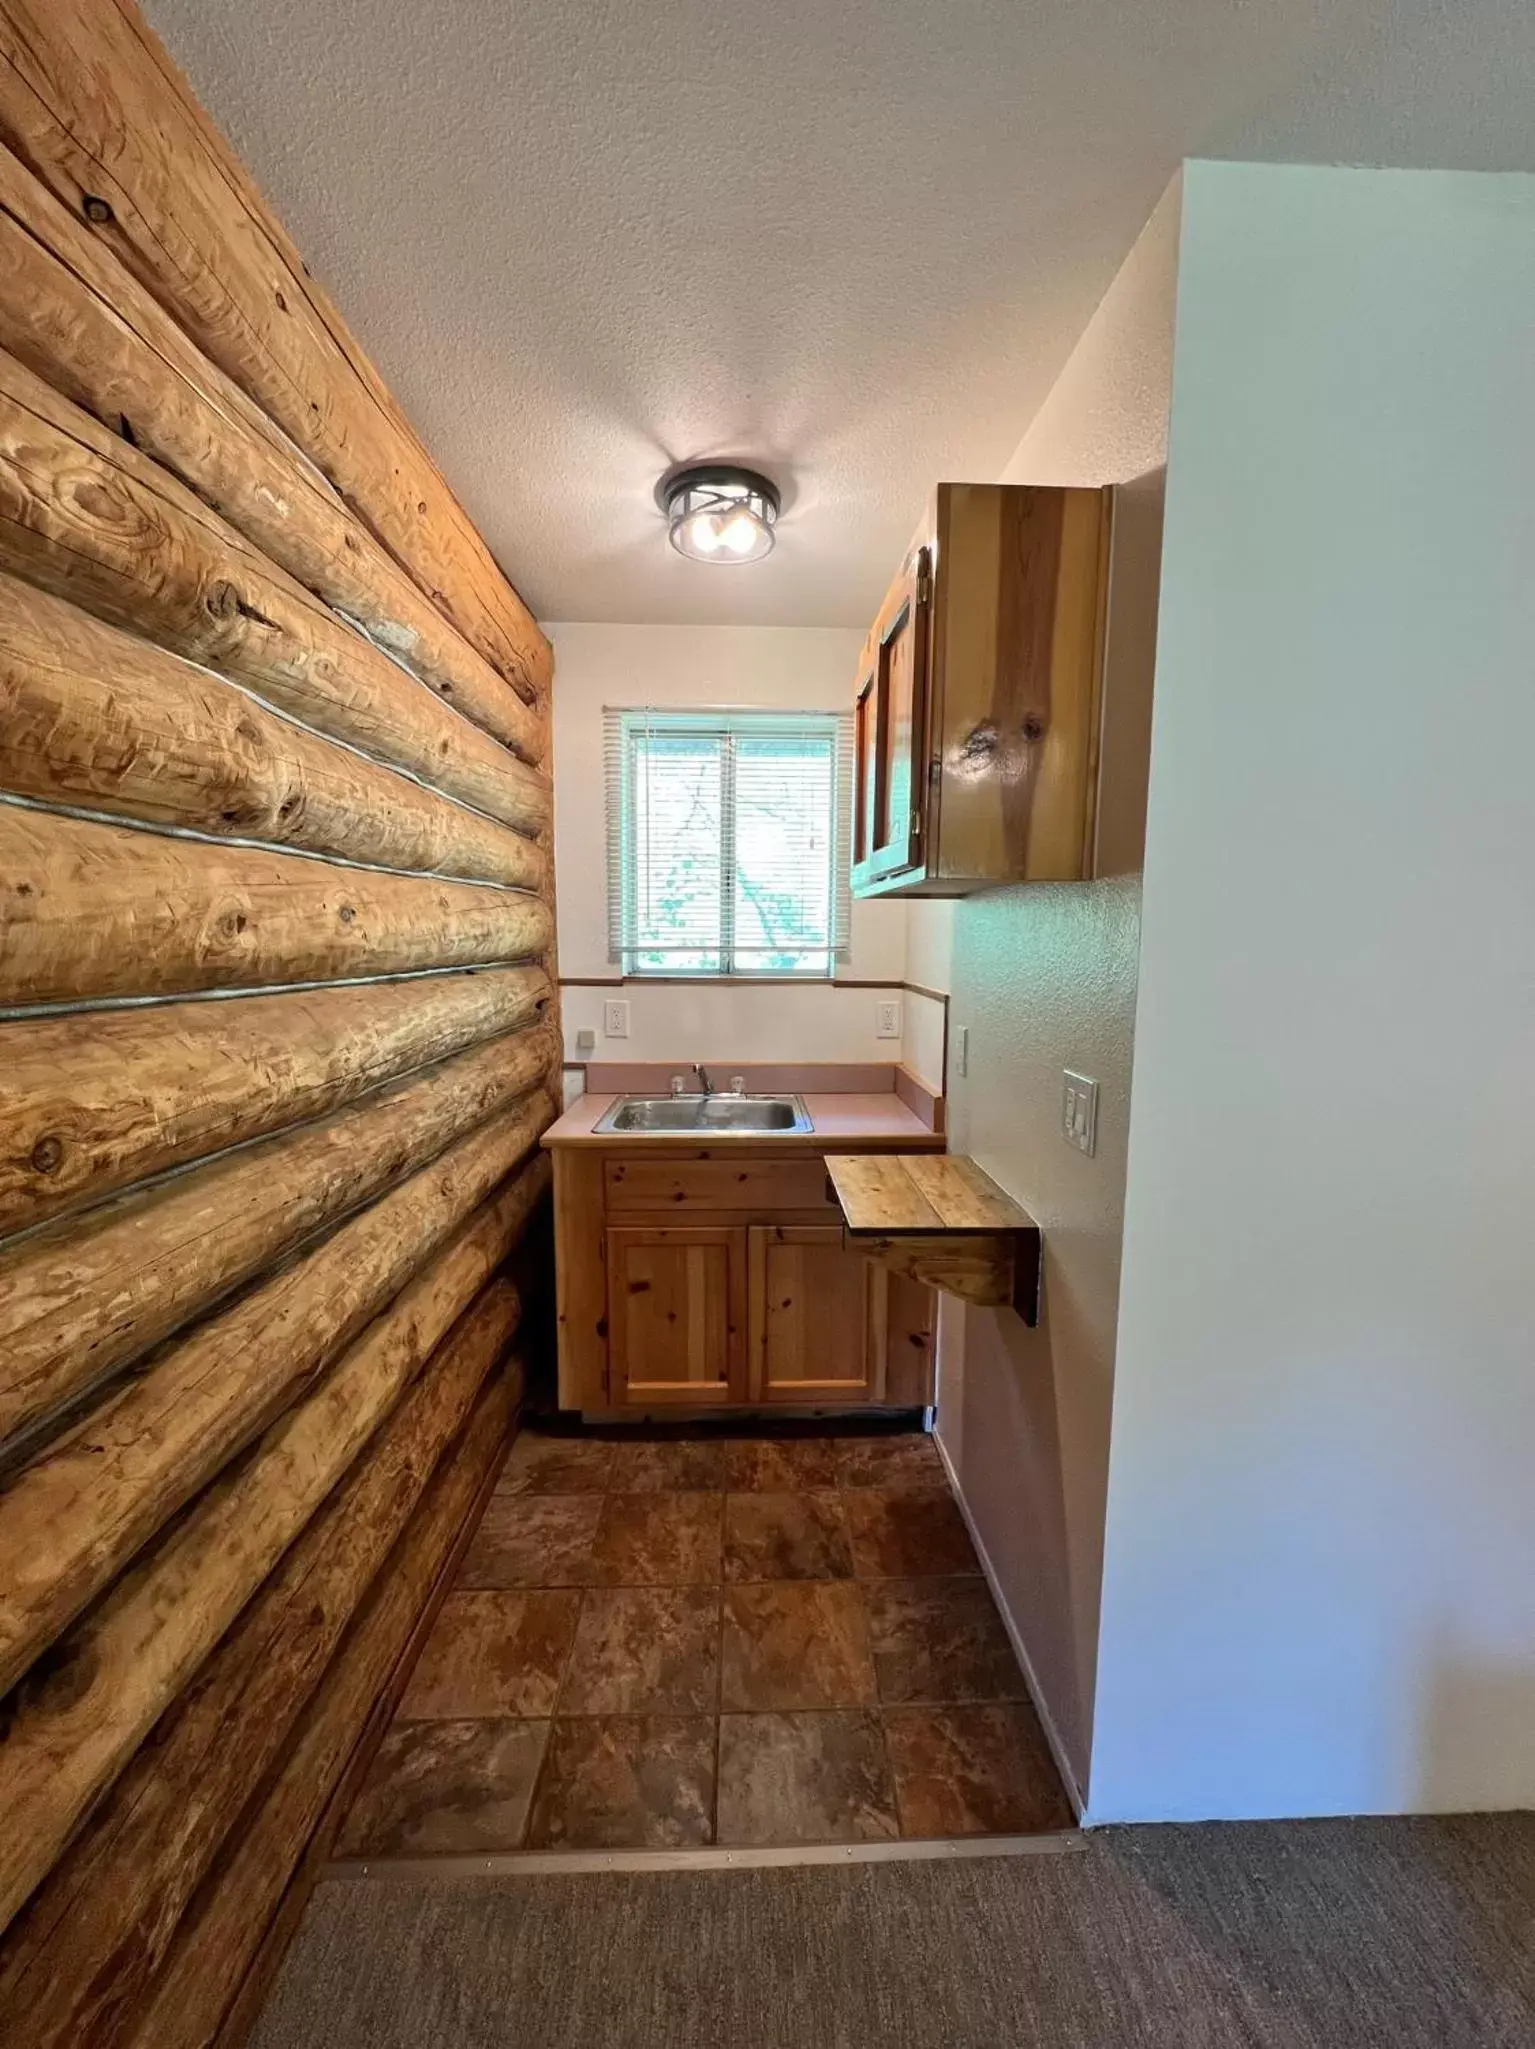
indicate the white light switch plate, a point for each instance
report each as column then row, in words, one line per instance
column 887, row 1023
column 615, row 1018
column 1079, row 1112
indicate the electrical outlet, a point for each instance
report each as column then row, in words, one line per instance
column 1079, row 1112
column 888, row 1019
column 615, row 1018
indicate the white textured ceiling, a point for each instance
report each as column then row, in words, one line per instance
column 850, row 240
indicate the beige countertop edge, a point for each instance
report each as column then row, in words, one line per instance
column 841, row 1122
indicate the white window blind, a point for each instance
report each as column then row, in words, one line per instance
column 728, row 841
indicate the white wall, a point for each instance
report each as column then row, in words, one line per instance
column 929, row 961
column 1044, row 978
column 1320, row 1579
column 789, row 668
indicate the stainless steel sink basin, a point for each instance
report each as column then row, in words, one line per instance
column 709, row 1116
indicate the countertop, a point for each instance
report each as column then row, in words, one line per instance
column 842, row 1123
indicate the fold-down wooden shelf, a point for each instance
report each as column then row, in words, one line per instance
column 938, row 1218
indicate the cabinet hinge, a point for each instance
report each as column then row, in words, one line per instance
column 924, row 587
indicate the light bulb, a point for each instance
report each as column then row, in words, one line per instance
column 719, row 512
column 740, row 535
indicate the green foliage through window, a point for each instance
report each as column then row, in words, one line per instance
column 727, row 842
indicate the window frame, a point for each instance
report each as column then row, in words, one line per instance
column 626, row 729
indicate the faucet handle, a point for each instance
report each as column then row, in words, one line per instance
column 678, row 1083
column 738, row 1085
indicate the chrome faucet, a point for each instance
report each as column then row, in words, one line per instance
column 703, row 1079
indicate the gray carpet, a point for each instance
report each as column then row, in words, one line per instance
column 1286, row 1936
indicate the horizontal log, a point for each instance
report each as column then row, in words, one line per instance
column 92, row 1101
column 88, row 516
column 77, row 318
column 93, row 717
column 76, row 1722
column 291, row 1823
column 78, row 1960
column 70, row 1522
column 89, row 911
column 84, row 1296
column 91, row 104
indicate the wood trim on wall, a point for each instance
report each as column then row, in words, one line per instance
column 923, row 1095
column 724, row 981
column 745, row 982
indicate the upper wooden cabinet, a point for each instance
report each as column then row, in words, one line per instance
column 976, row 733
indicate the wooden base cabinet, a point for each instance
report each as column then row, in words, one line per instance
column 677, row 1314
column 672, row 1300
column 829, row 1326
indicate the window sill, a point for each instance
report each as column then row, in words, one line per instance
column 737, row 981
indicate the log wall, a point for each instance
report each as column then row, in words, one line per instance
column 278, row 1039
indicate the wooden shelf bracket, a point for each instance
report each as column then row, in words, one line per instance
column 938, row 1218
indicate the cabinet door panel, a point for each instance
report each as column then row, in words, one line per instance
column 899, row 676
column 811, row 1336
column 1020, row 616
column 892, row 729
column 866, row 765
column 903, row 1316
column 676, row 1315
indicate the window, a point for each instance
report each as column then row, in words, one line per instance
column 728, row 841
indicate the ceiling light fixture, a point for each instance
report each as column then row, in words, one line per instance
column 719, row 512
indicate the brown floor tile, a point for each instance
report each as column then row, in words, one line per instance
column 785, row 1536
column 645, row 1651
column 556, row 1465
column 493, row 1653
column 657, row 1540
column 910, row 1459
column 940, row 1640
column 907, row 1532
column 814, row 1778
column 532, row 1540
column 796, row 1644
column 780, row 1465
column 445, row 1789
column 622, row 1782
column 964, row 1771
column 678, row 1466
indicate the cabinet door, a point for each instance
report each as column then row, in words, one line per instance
column 903, row 1317
column 891, row 730
column 811, row 1329
column 865, row 762
column 677, row 1315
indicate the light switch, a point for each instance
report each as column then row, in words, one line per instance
column 586, row 1040
column 888, row 1020
column 1079, row 1112
column 615, row 1018
column 962, row 1056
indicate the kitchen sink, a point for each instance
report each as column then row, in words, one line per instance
column 709, row 1116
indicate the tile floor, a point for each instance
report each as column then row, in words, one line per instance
column 662, row 1645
